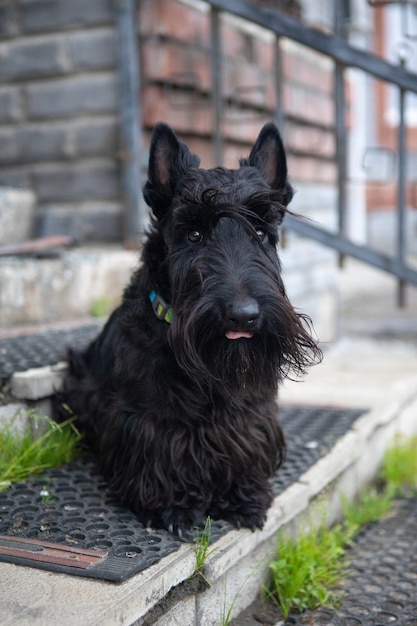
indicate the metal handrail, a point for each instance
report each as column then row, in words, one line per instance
column 344, row 56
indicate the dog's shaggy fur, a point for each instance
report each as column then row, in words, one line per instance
column 183, row 415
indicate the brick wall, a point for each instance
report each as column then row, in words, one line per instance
column 59, row 101
column 58, row 113
column 176, row 73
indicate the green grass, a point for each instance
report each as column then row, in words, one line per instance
column 373, row 504
column 397, row 476
column 22, row 455
column 308, row 569
column 202, row 549
column 400, row 466
column 102, row 306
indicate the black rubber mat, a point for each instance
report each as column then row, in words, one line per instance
column 72, row 506
column 18, row 354
column 310, row 433
column 381, row 586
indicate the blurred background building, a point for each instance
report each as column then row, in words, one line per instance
column 83, row 83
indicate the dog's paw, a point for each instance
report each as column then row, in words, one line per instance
column 252, row 520
column 175, row 520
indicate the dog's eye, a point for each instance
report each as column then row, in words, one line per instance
column 195, row 236
column 261, row 234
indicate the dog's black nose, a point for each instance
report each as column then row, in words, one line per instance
column 243, row 315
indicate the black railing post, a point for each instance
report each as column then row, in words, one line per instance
column 279, row 106
column 401, row 193
column 130, row 121
column 216, row 77
column 340, row 124
column 278, row 83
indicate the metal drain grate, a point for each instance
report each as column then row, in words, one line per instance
column 80, row 512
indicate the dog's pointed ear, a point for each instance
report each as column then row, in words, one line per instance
column 268, row 156
column 169, row 159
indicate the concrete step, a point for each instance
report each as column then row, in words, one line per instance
column 380, row 376
column 65, row 286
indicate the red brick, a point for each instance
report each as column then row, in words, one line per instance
column 233, row 41
column 244, row 126
column 309, row 72
column 310, row 139
column 266, row 54
column 307, row 104
column 307, row 169
column 192, row 118
column 175, row 63
column 245, row 82
column 174, row 20
column 288, row 65
column 203, row 147
column 384, row 196
column 301, row 170
column 233, row 152
column 271, row 94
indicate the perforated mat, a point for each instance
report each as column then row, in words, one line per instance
column 18, row 354
column 88, row 533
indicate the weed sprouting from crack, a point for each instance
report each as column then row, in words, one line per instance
column 202, row 549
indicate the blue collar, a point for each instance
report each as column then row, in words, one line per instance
column 161, row 309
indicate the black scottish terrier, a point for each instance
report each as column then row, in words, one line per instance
column 177, row 395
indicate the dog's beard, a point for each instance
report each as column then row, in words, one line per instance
column 241, row 364
column 280, row 347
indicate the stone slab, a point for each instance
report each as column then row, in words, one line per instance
column 37, row 383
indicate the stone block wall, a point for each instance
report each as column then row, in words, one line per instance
column 59, row 113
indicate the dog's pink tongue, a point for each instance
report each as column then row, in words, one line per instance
column 233, row 334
